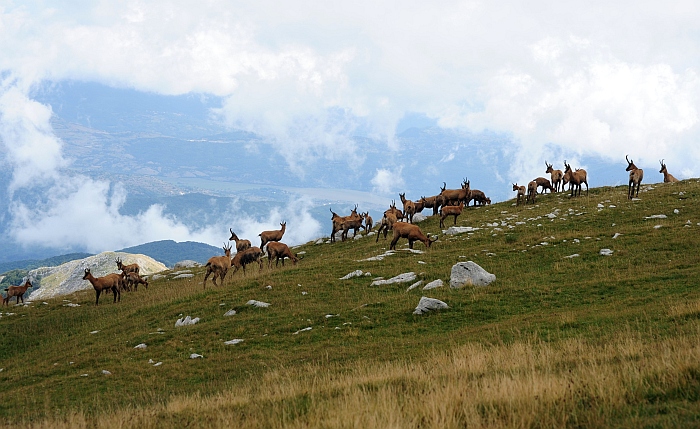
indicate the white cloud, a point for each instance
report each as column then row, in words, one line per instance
column 387, row 181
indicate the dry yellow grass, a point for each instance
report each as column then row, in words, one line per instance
column 527, row 384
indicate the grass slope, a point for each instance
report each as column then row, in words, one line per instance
column 556, row 341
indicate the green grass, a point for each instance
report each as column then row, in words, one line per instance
column 647, row 291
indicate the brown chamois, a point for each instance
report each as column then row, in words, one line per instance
column 668, row 177
column 17, row 292
column 531, row 192
column 219, row 266
column 368, row 222
column 521, row 193
column 545, row 184
column 385, row 225
column 274, row 235
column 241, row 245
column 454, row 196
column 338, row 221
column 248, row 256
column 133, row 279
column 131, row 268
column 351, row 222
column 279, row 250
column 409, row 207
column 479, row 197
column 434, row 202
column 450, row 211
column 410, row 232
column 556, row 176
column 110, row 281
column 575, row 178
column 393, row 210
column 636, row 176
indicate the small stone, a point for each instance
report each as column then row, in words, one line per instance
column 141, row 346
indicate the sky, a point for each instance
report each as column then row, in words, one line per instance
column 561, row 79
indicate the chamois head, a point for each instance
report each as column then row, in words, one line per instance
column 87, row 273
column 403, row 197
column 233, row 235
column 567, row 167
column 630, row 164
column 444, row 186
column 465, row 184
column 119, row 263
column 515, row 186
column 663, row 166
column 227, row 249
column 549, row 167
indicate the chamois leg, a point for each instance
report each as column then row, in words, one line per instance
column 455, row 220
column 97, row 296
column 410, row 244
column 392, row 245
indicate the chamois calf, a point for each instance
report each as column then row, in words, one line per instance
column 109, row 282
column 385, row 225
column 636, row 176
column 575, row 178
column 410, row 232
column 531, row 192
column 219, row 266
column 434, row 203
column 133, row 279
column 131, row 268
column 521, row 193
column 409, row 207
column 17, row 292
column 275, row 235
column 545, row 184
column 368, row 222
column 668, row 177
column 556, row 176
column 241, row 245
column 246, row 257
column 450, row 211
column 279, row 250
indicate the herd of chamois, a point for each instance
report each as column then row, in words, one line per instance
column 449, row 202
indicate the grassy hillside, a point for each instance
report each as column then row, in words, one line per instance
column 557, row 341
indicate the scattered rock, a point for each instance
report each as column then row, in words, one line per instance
column 230, row 313
column 419, row 217
column 469, row 273
column 356, row 273
column 260, row 304
column 426, row 305
column 617, row 234
column 195, row 356
column 157, row 276
column 94, row 332
column 606, row 252
column 658, row 216
column 183, row 276
column 303, row 330
column 186, row 264
column 575, row 255
column 676, row 211
column 434, row 284
column 105, row 372
column 158, row 364
column 186, row 321
column 141, row 346
column 415, row 285
column 401, row 278
column 657, row 226
column 454, row 230
column 233, row 342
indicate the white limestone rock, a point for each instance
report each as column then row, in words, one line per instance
column 469, row 273
column 401, row 278
column 186, row 264
column 426, row 305
column 434, row 284
column 259, row 304
column 185, row 321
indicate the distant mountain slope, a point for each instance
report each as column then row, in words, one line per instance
column 29, row 264
column 170, row 252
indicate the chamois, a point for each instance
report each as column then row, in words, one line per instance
column 433, row 203
column 556, row 176
column 338, row 221
column 454, row 196
column 17, row 292
column 246, row 257
column 521, row 193
column 385, row 225
column 409, row 207
column 450, row 211
column 241, row 245
column 110, row 281
column 410, row 232
column 544, row 184
column 636, row 176
column 575, row 178
column 393, row 210
column 478, row 197
column 219, row 266
column 279, row 250
column 531, row 192
column 668, row 177
column 133, row 279
column 275, row 235
column 368, row 222
column 131, row 268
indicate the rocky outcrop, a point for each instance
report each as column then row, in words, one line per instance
column 50, row 282
column 469, row 273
